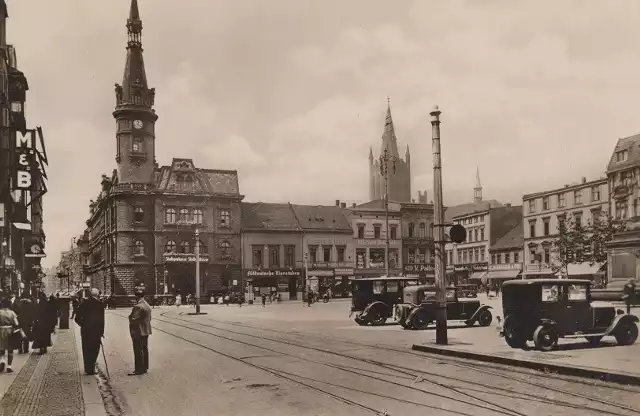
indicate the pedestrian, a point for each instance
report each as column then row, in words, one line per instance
column 264, row 299
column 90, row 318
column 42, row 324
column 74, row 306
column 178, row 300
column 140, row 329
column 8, row 324
column 629, row 294
column 309, row 297
column 26, row 314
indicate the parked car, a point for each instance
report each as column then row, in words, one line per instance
column 544, row 310
column 419, row 308
column 468, row 291
column 373, row 298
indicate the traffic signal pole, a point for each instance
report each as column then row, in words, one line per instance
column 438, row 211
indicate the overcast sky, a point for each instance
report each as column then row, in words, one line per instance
column 292, row 93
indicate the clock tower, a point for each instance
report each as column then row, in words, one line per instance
column 134, row 113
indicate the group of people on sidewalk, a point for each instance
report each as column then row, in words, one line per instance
column 24, row 321
column 90, row 317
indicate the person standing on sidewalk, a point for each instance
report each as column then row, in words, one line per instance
column 42, row 324
column 26, row 312
column 629, row 294
column 90, row 318
column 140, row 329
column 8, row 324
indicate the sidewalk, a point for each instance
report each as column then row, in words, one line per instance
column 51, row 384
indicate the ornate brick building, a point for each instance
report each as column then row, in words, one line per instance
column 142, row 225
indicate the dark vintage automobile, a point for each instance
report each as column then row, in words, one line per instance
column 419, row 308
column 373, row 298
column 543, row 310
column 468, row 291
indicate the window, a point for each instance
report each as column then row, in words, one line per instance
column 257, row 257
column 532, row 206
column 577, row 292
column 411, row 255
column 393, row 232
column 545, row 203
column 577, row 197
column 274, row 256
column 465, row 256
column 532, row 229
column 376, row 231
column 532, row 256
column 423, row 230
column 313, row 254
column 197, row 216
column 170, row 247
column 411, row 230
column 225, row 217
column 138, row 248
column 551, row 293
column 225, row 246
column 482, row 254
column 547, row 256
column 546, row 227
column 184, row 247
column 493, row 259
column 341, row 251
column 561, row 220
column 621, row 209
column 376, row 258
column 360, row 230
column 459, row 257
column 170, row 216
column 202, row 247
column 137, row 145
column 183, row 215
column 482, row 234
column 516, row 257
column 507, row 258
column 622, row 156
column 561, row 200
column 499, row 258
column 476, row 255
column 595, row 193
column 138, row 214
column 476, row 219
column 289, row 256
column 326, row 254
column 477, row 232
column 361, row 258
column 578, row 220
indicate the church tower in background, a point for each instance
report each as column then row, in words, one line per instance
column 477, row 191
column 400, row 180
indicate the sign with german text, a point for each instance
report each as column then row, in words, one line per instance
column 273, row 273
column 1, row 215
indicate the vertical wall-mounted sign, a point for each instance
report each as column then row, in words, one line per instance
column 2, row 215
column 25, row 157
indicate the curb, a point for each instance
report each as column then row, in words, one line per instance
column 91, row 397
column 569, row 370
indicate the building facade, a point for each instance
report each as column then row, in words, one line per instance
column 143, row 225
column 399, row 170
column 506, row 256
column 369, row 231
column 542, row 213
column 417, row 240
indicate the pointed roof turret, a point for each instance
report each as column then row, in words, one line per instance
column 370, row 153
column 478, row 184
column 477, row 191
column 134, row 90
column 389, row 140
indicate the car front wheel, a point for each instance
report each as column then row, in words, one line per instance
column 378, row 319
column 485, row 318
column 545, row 338
column 513, row 334
column 627, row 333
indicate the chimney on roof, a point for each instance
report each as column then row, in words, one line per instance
column 337, row 202
column 353, row 205
column 343, row 205
column 584, row 179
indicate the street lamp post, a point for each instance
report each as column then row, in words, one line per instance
column 438, row 211
column 197, row 250
column 3, row 261
column 385, row 159
column 304, row 278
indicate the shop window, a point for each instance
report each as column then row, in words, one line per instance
column 170, row 216
column 361, row 258
column 376, row 258
column 138, row 214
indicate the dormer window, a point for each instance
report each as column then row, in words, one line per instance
column 622, row 155
column 137, row 144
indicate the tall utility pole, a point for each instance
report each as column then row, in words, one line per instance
column 385, row 160
column 438, row 212
column 197, row 250
column 304, row 278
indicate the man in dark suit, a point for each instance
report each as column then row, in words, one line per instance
column 140, row 329
column 90, row 317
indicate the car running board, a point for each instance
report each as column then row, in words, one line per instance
column 585, row 335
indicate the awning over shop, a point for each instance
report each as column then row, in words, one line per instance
column 581, row 269
column 503, row 274
column 477, row 276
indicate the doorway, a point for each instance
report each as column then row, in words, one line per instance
column 293, row 288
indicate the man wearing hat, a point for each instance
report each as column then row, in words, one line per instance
column 90, row 317
column 140, row 329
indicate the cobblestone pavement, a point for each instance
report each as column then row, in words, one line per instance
column 287, row 359
column 49, row 384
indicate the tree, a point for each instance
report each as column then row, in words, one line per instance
column 578, row 243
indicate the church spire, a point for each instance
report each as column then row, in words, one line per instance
column 477, row 191
column 134, row 90
column 389, row 140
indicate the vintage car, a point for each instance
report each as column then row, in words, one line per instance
column 468, row 291
column 543, row 310
column 373, row 298
column 419, row 308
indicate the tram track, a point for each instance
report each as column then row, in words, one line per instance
column 466, row 390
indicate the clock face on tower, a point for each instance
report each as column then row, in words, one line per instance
column 137, row 124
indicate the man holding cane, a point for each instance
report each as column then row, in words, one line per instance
column 90, row 317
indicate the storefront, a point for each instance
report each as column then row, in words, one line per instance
column 499, row 273
column 285, row 282
column 424, row 272
column 472, row 273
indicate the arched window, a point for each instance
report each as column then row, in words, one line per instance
column 197, row 216
column 138, row 214
column 170, row 247
column 202, row 247
column 136, row 145
column 184, row 214
column 184, row 247
column 170, row 216
column 225, row 245
column 138, row 248
column 411, row 230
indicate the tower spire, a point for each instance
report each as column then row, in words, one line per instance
column 477, row 191
column 389, row 140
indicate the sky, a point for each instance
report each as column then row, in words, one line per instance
column 292, row 93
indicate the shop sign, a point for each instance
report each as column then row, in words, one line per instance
column 184, row 258
column 273, row 273
column 25, row 157
column 417, row 268
column 506, row 266
column 321, row 273
column 327, row 242
column 375, row 242
column 343, row 272
column 2, row 215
